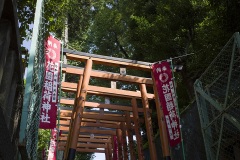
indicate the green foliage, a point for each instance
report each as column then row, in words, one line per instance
column 157, row 30
column 26, row 17
column 143, row 30
column 55, row 13
column 84, row 156
column 43, row 140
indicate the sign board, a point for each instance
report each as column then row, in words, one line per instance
column 165, row 86
column 52, row 152
column 49, row 103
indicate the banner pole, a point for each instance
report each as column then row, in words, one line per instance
column 161, row 124
column 185, row 55
column 183, row 151
column 59, row 97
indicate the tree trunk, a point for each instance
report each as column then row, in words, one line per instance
column 66, row 32
column 65, row 35
column 187, row 80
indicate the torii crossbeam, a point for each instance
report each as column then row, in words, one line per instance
column 86, row 130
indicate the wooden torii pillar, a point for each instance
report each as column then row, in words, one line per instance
column 80, row 119
column 73, row 116
column 79, row 111
column 137, row 131
column 124, row 141
column 130, row 135
column 148, row 122
column 161, row 125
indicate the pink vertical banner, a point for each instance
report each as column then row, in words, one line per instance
column 52, row 152
column 115, row 149
column 44, row 154
column 165, row 86
column 49, row 103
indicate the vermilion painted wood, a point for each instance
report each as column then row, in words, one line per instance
column 80, row 104
column 137, row 131
column 130, row 136
column 72, row 87
column 101, row 105
column 148, row 122
column 161, row 124
column 109, row 62
column 96, row 120
column 72, row 116
column 110, row 76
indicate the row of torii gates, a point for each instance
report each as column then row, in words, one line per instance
column 93, row 130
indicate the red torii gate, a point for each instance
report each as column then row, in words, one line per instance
column 78, row 125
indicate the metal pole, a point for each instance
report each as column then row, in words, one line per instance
column 230, row 72
column 177, row 57
column 204, row 119
column 183, row 151
column 29, row 77
column 220, row 139
column 59, row 97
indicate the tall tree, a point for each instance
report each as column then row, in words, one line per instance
column 150, row 30
column 146, row 30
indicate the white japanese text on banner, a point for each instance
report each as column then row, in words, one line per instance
column 49, row 103
column 163, row 79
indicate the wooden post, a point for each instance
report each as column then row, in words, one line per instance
column 119, row 139
column 161, row 124
column 79, row 110
column 130, row 136
column 109, row 147
column 73, row 117
column 107, row 153
column 148, row 122
column 114, row 155
column 136, row 128
column 124, row 141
